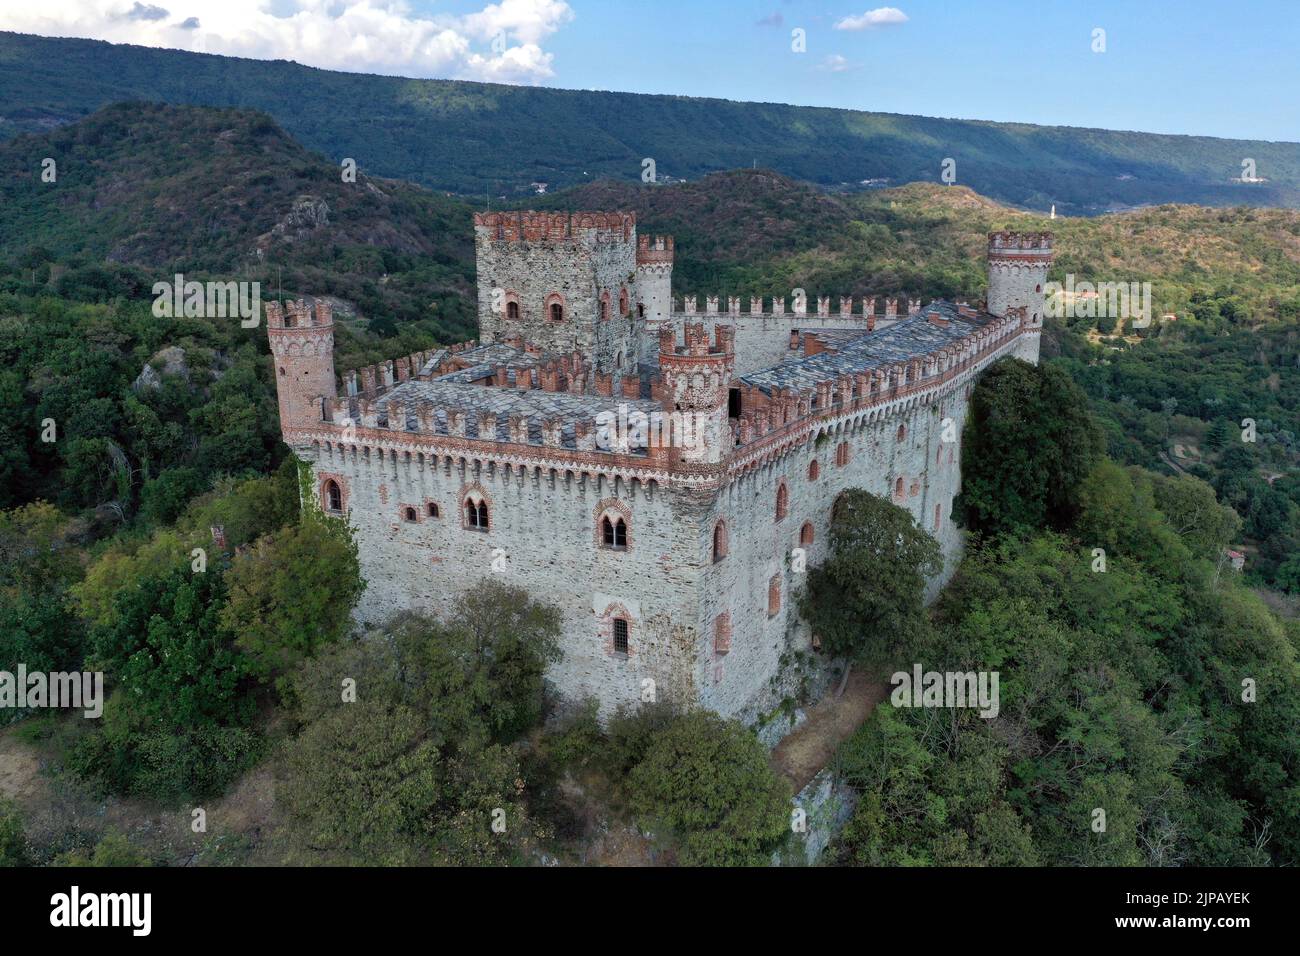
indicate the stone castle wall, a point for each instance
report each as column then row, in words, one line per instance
column 542, row 536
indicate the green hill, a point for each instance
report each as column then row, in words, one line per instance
column 180, row 189
column 486, row 139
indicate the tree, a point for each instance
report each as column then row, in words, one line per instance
column 170, row 653
column 1026, row 448
column 1194, row 513
column 292, row 593
column 415, row 768
column 870, row 590
column 708, row 780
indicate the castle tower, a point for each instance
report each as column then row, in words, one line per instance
column 696, row 383
column 1018, row 263
column 654, row 276
column 302, row 347
column 560, row 281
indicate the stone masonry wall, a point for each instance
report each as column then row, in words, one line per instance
column 547, row 531
column 576, row 269
column 740, row 682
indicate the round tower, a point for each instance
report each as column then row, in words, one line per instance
column 654, row 277
column 1018, row 263
column 302, row 348
column 696, row 382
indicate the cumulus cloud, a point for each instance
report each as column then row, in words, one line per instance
column 142, row 12
column 502, row 42
column 834, row 63
column 872, row 19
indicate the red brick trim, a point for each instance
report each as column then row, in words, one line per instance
column 344, row 492
column 605, row 628
column 476, row 492
column 614, row 508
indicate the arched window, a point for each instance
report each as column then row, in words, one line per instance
column 604, row 306
column 814, row 470
column 898, row 490
column 512, row 310
column 782, row 501
column 937, row 515
column 408, row 514
column 333, row 497
column 902, row 432
column 842, row 454
column 613, row 533
column 622, row 631
column 774, row 596
column 476, row 514
column 431, row 509
column 622, row 302
column 719, row 541
column 806, row 534
column 640, row 310
column 557, row 312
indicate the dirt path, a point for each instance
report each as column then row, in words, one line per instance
column 812, row 744
column 20, row 778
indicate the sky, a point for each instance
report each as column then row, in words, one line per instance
column 1170, row 66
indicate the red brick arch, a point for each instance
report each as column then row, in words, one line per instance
column 615, row 509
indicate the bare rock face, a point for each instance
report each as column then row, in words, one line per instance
column 307, row 214
column 172, row 360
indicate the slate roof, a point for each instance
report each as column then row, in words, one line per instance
column 536, row 404
column 904, row 340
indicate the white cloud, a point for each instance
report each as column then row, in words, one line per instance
column 501, row 42
column 879, row 17
column 834, row 63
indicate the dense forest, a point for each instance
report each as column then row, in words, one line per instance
column 150, row 528
column 490, row 140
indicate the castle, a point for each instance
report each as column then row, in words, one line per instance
column 663, row 474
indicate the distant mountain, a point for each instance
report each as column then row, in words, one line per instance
column 492, row 140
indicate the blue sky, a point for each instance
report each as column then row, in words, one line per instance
column 1189, row 66
column 1175, row 66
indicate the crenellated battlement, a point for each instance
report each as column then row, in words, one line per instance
column 695, row 342
column 847, row 307
column 530, row 226
column 297, row 314
column 654, row 250
column 1007, row 242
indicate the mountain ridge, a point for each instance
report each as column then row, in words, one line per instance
column 489, row 139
